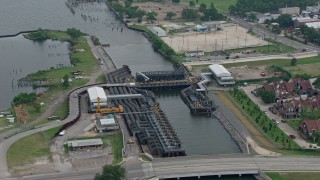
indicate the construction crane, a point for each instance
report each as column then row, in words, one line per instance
column 100, row 110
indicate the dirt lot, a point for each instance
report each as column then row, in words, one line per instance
column 161, row 8
column 231, row 37
column 311, row 69
column 41, row 165
column 249, row 72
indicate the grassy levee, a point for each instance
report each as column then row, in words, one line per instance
column 262, row 121
column 101, row 79
column 267, row 130
column 294, row 175
column 29, row 148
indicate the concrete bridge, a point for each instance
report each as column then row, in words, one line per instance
column 220, row 165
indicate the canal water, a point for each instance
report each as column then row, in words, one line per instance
column 20, row 56
column 200, row 134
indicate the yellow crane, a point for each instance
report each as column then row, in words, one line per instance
column 100, row 110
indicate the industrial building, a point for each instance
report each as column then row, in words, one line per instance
column 221, row 75
column 212, row 26
column 85, row 144
column 106, row 124
column 300, row 21
column 261, row 18
column 158, row 31
column 96, row 93
column 315, row 25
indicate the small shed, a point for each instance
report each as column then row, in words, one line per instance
column 106, row 124
column 200, row 28
column 158, row 31
column 212, row 25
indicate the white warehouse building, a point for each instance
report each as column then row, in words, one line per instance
column 95, row 93
column 221, row 75
column 158, row 31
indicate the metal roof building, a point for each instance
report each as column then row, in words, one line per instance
column 315, row 25
column 85, row 144
column 158, row 31
column 106, row 124
column 221, row 74
column 95, row 93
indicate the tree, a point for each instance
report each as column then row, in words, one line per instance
column 111, row 172
column 192, row 4
column 316, row 83
column 151, row 16
column 202, row 7
column 252, row 17
column 23, row 98
column 189, row 14
column 276, row 29
column 65, row 82
column 170, row 15
column 175, row 1
column 268, row 96
column 212, row 14
column 285, row 20
column 74, row 33
column 294, row 61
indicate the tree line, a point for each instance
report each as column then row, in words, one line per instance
column 267, row 6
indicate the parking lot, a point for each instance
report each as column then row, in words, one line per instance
column 87, row 163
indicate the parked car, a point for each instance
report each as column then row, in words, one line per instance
column 62, row 132
column 53, row 117
column 78, row 77
column 130, row 141
column 6, row 112
column 292, row 136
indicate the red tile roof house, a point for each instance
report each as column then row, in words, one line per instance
column 288, row 90
column 292, row 108
column 308, row 127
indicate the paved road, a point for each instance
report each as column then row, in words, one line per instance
column 5, row 144
column 267, row 34
column 186, row 166
column 254, row 58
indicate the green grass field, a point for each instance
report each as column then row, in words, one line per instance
column 294, row 123
column 294, row 175
column 101, row 79
column 27, row 149
column 222, row 5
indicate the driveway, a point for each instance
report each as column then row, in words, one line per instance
column 283, row 126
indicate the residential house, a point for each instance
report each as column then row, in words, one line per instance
column 292, row 108
column 287, row 90
column 309, row 127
